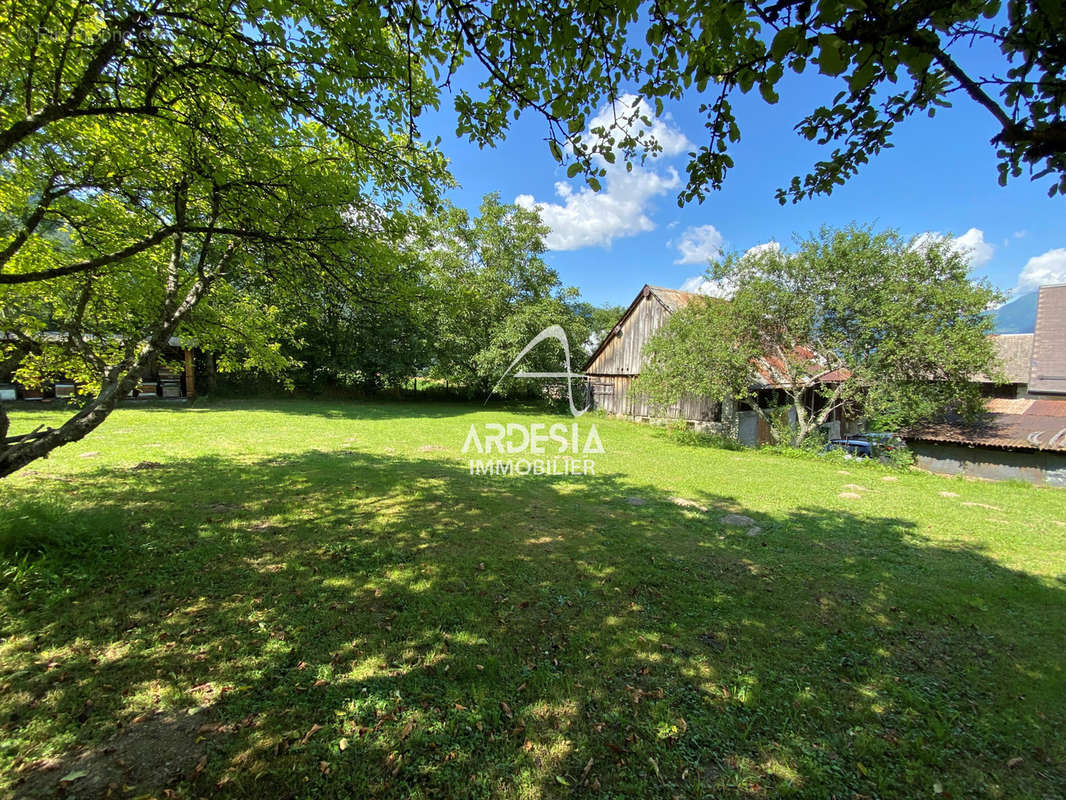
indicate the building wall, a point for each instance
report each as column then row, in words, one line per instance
column 611, row 393
column 622, row 353
column 1033, row 466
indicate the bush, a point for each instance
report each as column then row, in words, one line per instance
column 682, row 433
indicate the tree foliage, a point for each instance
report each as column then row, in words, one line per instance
column 491, row 292
column 891, row 329
column 156, row 154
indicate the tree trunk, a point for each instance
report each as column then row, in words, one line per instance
column 116, row 384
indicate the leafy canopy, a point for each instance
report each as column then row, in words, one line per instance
column 888, row 328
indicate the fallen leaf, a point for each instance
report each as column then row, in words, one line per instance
column 506, row 709
column 73, row 776
column 314, row 729
column 1015, row 762
column 342, row 744
column 410, row 726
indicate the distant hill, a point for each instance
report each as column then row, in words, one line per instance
column 1017, row 316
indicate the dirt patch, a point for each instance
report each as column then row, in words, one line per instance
column 681, row 501
column 983, row 505
column 146, row 756
column 429, row 448
column 855, row 487
column 949, row 494
column 146, row 465
column 850, row 496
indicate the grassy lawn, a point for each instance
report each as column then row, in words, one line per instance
column 318, row 600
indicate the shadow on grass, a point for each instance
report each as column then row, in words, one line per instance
column 352, row 624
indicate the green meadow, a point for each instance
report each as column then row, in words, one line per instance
column 318, row 599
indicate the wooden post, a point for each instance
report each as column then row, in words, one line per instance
column 190, row 376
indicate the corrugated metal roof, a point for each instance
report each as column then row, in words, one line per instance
column 1004, row 405
column 1040, row 426
column 1049, row 408
column 775, row 373
column 1013, row 351
column 1048, row 372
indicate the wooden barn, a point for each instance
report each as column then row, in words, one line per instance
column 617, row 362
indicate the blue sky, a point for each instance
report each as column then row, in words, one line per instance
column 939, row 178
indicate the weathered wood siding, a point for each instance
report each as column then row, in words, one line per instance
column 612, row 372
column 622, row 353
column 611, row 393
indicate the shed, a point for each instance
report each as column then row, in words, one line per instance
column 1018, row 439
column 1022, row 436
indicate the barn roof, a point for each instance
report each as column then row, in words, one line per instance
column 1014, row 351
column 1021, row 423
column 1048, row 372
column 671, row 300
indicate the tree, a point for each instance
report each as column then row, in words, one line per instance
column 890, row 59
column 184, row 142
column 149, row 170
column 600, row 320
column 893, row 329
column 491, row 292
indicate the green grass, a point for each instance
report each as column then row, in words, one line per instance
column 292, row 565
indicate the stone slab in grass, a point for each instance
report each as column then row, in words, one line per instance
column 737, row 520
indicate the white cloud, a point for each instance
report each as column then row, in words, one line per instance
column 765, row 247
column 700, row 284
column 699, row 245
column 971, row 245
column 584, row 218
column 1049, row 267
column 626, row 117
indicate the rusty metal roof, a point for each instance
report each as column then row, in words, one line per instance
column 1005, row 405
column 1048, row 408
column 1018, row 424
